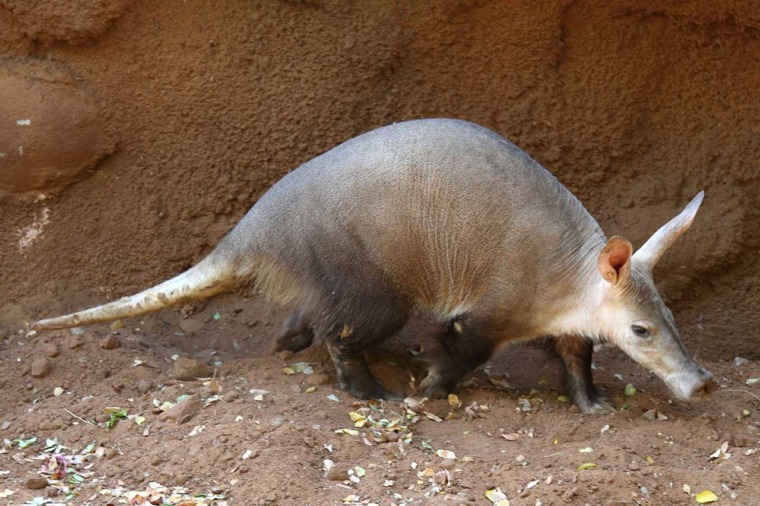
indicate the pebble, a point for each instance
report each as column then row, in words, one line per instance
column 277, row 421
column 41, row 367
column 633, row 466
column 231, row 395
column 285, row 355
column 190, row 369
column 144, row 386
column 568, row 496
column 448, row 463
column 317, row 379
column 190, row 325
column 50, row 349
column 75, row 341
column 183, row 411
column 110, row 343
column 36, row 483
column 337, row 473
column 442, row 478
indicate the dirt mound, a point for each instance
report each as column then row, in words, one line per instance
column 53, row 132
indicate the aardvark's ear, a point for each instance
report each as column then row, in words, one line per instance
column 614, row 262
column 653, row 249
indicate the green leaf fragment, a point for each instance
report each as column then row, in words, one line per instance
column 630, row 390
column 114, row 416
column 25, row 443
column 587, row 465
column 301, row 367
column 75, row 479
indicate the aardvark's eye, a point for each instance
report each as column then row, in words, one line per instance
column 640, row 331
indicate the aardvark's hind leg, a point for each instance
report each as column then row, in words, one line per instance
column 296, row 333
column 353, row 333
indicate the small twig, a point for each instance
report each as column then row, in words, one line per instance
column 739, row 390
column 80, row 418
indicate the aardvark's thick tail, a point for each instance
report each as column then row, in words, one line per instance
column 209, row 277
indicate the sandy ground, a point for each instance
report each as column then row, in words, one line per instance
column 250, row 433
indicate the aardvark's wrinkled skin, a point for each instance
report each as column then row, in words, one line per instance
column 445, row 218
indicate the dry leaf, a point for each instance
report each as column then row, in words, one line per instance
column 350, row 432
column 721, row 453
column 706, row 497
column 426, row 473
column 446, row 454
column 497, row 497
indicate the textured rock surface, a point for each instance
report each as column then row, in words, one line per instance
column 73, row 21
column 635, row 106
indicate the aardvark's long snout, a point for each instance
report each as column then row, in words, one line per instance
column 693, row 383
